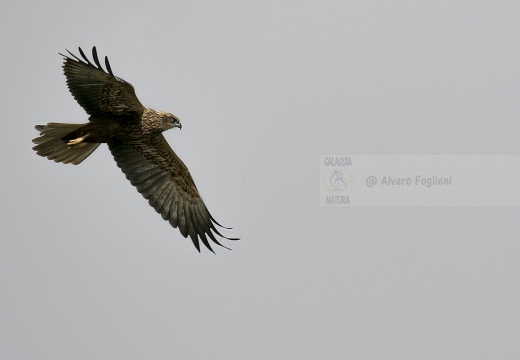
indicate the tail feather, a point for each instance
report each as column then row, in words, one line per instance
column 51, row 145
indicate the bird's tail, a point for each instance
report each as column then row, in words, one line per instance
column 52, row 145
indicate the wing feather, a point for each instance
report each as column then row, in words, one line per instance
column 173, row 215
column 97, row 91
column 163, row 179
column 181, row 218
column 166, row 204
column 146, row 182
column 156, row 197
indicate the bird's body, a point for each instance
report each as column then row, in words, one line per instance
column 103, row 129
column 134, row 136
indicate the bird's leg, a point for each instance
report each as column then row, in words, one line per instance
column 78, row 141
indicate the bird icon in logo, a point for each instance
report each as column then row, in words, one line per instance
column 338, row 181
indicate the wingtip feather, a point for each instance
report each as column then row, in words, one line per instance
column 95, row 57
column 107, row 64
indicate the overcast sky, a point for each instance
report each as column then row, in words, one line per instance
column 88, row 270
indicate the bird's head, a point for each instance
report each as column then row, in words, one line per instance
column 170, row 121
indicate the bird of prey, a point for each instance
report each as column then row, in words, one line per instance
column 134, row 136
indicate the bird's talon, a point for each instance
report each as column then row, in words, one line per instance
column 77, row 141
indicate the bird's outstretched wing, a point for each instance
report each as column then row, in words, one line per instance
column 163, row 179
column 99, row 92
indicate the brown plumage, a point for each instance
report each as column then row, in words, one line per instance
column 134, row 136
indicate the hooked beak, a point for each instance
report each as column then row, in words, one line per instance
column 177, row 123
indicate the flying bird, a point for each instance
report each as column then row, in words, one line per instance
column 134, row 136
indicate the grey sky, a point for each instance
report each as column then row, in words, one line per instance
column 88, row 270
